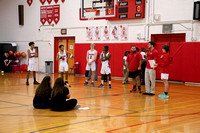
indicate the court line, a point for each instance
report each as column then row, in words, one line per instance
column 100, row 119
column 10, row 107
column 13, row 103
column 84, row 122
column 171, row 127
column 110, row 131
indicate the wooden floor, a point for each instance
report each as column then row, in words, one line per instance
column 111, row 110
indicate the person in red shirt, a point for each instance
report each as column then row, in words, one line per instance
column 150, row 72
column 133, row 65
column 164, row 69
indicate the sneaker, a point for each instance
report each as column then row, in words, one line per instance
column 146, row 93
column 151, row 94
column 139, row 91
column 86, row 83
column 66, row 82
column 27, row 83
column 133, row 90
column 92, row 84
column 101, row 85
column 163, row 96
column 123, row 83
column 36, row 83
column 109, row 85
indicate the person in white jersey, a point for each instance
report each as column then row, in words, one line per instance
column 91, row 58
column 32, row 64
column 63, row 66
column 105, row 68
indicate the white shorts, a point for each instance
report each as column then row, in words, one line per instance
column 32, row 66
column 92, row 67
column 164, row 76
column 63, row 67
column 105, row 69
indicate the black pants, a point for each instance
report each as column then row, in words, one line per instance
column 41, row 105
column 68, row 105
column 143, row 67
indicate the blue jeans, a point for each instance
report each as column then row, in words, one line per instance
column 96, row 76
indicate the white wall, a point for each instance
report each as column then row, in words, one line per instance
column 176, row 12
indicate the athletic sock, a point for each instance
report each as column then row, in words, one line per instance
column 34, row 79
column 109, row 82
column 139, row 88
column 102, row 82
column 86, row 81
column 166, row 93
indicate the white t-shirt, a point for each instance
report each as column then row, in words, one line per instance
column 91, row 55
column 124, row 58
column 64, row 57
column 32, row 53
column 107, row 61
column 143, row 54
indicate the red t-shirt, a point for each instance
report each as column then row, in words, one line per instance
column 152, row 55
column 133, row 60
column 164, row 63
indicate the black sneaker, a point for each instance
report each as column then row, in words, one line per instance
column 110, row 86
column 66, row 82
column 146, row 93
column 92, row 84
column 27, row 83
column 152, row 94
column 133, row 90
column 36, row 83
column 86, row 83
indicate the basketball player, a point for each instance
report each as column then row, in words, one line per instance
column 106, row 33
column 63, row 66
column 105, row 69
column 32, row 64
column 133, row 65
column 97, row 34
column 91, row 58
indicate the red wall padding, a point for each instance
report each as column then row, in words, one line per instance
column 117, row 51
column 185, row 65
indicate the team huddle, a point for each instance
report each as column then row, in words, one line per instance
column 133, row 61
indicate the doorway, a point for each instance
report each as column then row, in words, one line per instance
column 68, row 43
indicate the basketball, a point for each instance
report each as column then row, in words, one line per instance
column 15, row 55
column 11, row 53
column 23, row 55
column 18, row 54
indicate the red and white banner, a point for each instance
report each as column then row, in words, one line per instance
column 42, row 1
column 63, row 1
column 29, row 2
column 43, row 14
column 49, row 14
column 56, row 13
column 49, row 1
column 56, row 1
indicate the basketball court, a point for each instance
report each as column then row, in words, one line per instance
column 106, row 110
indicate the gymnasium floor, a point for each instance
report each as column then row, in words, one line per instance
column 111, row 110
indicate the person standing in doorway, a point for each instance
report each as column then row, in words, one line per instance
column 91, row 58
column 32, row 64
column 150, row 72
column 63, row 66
column 134, row 60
